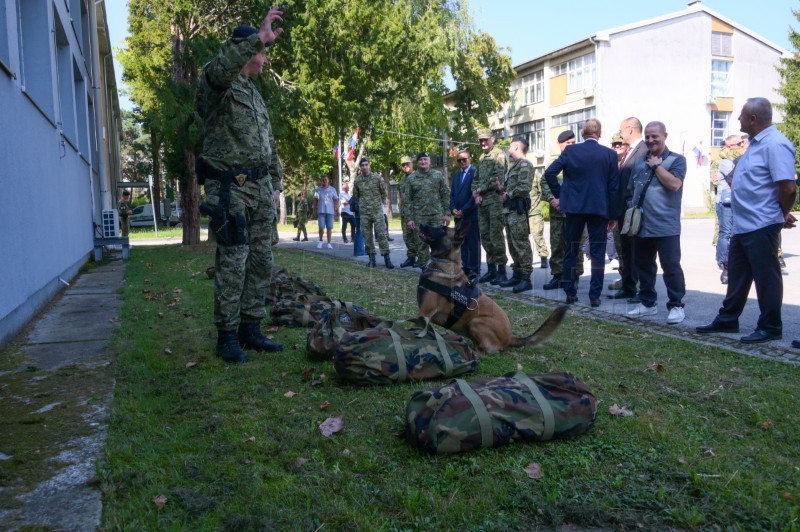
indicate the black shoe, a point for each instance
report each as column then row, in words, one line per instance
column 634, row 300
column 553, row 283
column 514, row 281
column 304, row 240
column 390, row 239
column 410, row 261
column 524, row 285
column 228, row 348
column 759, row 337
column 345, row 240
column 388, row 262
column 545, row 264
column 796, row 343
column 371, row 263
column 296, row 239
column 572, row 299
column 501, row 275
column 594, row 302
column 621, row 294
column 715, row 327
column 250, row 335
column 490, row 275
column 782, row 263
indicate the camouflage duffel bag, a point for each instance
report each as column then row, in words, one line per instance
column 305, row 311
column 342, row 318
column 400, row 351
column 490, row 412
column 284, row 285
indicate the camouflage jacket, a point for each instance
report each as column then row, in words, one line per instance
column 237, row 129
column 547, row 194
column 491, row 167
column 302, row 212
column 404, row 191
column 536, row 192
column 428, row 195
column 517, row 182
column 124, row 208
column 370, row 191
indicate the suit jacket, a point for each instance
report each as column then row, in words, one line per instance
column 591, row 180
column 461, row 195
column 625, row 172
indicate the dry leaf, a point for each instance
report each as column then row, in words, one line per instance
column 160, row 501
column 786, row 495
column 616, row 410
column 324, row 405
column 331, row 426
column 251, row 439
column 657, row 367
column 519, row 366
column 682, row 460
column 289, row 394
column 160, row 314
column 167, row 350
column 190, row 364
column 178, row 291
column 285, row 373
column 765, row 425
column 534, row 470
column 148, row 282
column 301, row 461
column 308, row 374
column 114, row 320
column 272, row 329
column 347, row 452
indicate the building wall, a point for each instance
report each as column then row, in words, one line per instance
column 49, row 179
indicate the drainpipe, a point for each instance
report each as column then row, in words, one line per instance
column 100, row 129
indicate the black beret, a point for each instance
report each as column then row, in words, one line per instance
column 422, row 154
column 243, row 32
column 564, row 136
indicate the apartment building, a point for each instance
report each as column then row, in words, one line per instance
column 692, row 70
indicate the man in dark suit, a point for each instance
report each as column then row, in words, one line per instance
column 630, row 131
column 590, row 198
column 462, row 205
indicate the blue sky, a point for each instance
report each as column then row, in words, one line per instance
column 534, row 27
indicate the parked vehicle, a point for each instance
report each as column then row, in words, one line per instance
column 142, row 216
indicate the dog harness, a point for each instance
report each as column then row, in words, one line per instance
column 461, row 296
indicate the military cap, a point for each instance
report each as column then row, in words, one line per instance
column 126, row 193
column 243, row 32
column 616, row 139
column 405, row 159
column 564, row 136
column 484, row 133
column 422, row 154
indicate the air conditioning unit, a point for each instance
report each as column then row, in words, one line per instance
column 539, row 154
column 110, row 223
column 588, row 92
column 711, row 100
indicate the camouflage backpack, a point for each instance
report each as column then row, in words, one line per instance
column 305, row 311
column 490, row 412
column 284, row 285
column 340, row 319
column 402, row 351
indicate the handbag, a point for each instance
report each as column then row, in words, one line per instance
column 632, row 222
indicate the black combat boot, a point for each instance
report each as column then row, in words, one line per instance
column 553, row 283
column 501, row 275
column 388, row 262
column 410, row 261
column 228, row 348
column 297, row 238
column 524, row 284
column 371, row 263
column 544, row 265
column 250, row 336
column 511, row 282
column 490, row 275
column 723, row 278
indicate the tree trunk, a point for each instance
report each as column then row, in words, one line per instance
column 190, row 202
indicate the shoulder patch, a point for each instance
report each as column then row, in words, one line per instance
column 524, row 165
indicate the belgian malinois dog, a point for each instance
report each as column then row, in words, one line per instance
column 446, row 297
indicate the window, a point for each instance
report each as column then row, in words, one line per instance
column 5, row 61
column 66, row 84
column 533, row 88
column 35, row 54
column 499, row 134
column 720, row 77
column 719, row 127
column 580, row 72
column 722, row 44
column 81, row 111
column 574, row 120
column 533, row 132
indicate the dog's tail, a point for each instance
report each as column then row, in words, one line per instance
column 544, row 332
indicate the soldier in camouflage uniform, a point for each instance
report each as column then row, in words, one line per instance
column 370, row 191
column 537, row 220
column 428, row 203
column 558, row 225
column 302, row 217
column 489, row 174
column 124, row 208
column 516, row 204
column 410, row 237
column 243, row 178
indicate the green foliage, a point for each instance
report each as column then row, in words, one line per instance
column 790, row 89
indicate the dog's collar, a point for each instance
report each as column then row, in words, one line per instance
column 443, row 261
column 464, row 297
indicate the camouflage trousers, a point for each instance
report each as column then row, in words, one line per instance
column 372, row 223
column 423, row 250
column 491, row 223
column 537, row 230
column 558, row 245
column 125, row 222
column 517, row 231
column 243, row 272
column 410, row 239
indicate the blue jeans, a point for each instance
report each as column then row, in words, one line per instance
column 725, row 217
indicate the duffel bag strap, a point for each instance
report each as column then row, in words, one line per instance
column 402, row 370
column 440, row 343
column 544, row 404
column 348, row 305
column 484, row 420
column 306, row 314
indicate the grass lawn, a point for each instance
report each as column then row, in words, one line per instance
column 713, row 441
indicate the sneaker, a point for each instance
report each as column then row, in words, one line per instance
column 319, row 246
column 641, row 310
column 676, row 315
column 330, row 246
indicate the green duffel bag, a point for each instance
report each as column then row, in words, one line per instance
column 490, row 412
column 401, row 351
column 305, row 311
column 342, row 318
column 284, row 285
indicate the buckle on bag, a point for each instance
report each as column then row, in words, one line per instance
column 241, row 178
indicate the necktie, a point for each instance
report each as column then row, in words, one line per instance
column 625, row 156
column 463, row 175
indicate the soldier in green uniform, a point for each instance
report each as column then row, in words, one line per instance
column 124, row 208
column 537, row 220
column 370, row 191
column 302, row 217
column 242, row 174
column 516, row 204
column 410, row 237
column 558, row 225
column 489, row 173
column 428, row 203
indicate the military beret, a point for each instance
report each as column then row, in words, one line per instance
column 405, row 159
column 422, row 154
column 564, row 136
column 243, row 32
column 126, row 193
column 484, row 133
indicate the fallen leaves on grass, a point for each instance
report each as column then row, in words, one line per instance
column 308, row 374
column 658, row 368
column 289, row 394
column 272, row 329
column 190, row 364
column 617, row 410
column 765, row 425
column 534, row 470
column 331, row 426
column 251, row 439
column 160, row 501
column 786, row 496
column 301, row 461
column 167, row 350
column 324, row 405
column 114, row 320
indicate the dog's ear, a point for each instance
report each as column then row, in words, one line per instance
column 462, row 226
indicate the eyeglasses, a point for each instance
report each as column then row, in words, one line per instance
column 461, row 160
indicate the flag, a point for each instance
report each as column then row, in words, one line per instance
column 351, row 154
column 354, row 139
column 336, row 152
column 698, row 152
